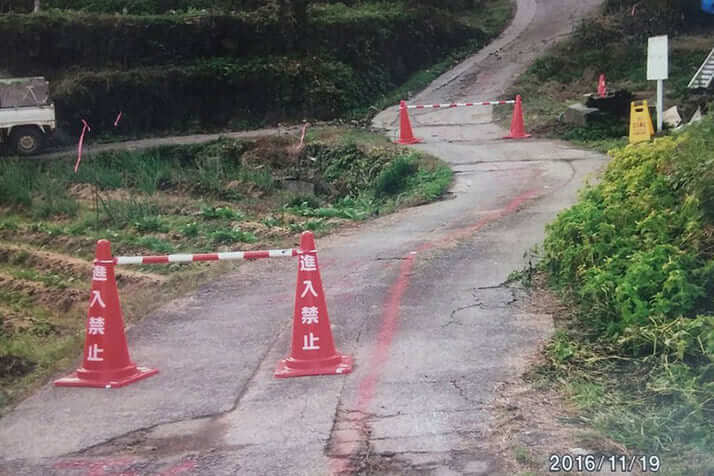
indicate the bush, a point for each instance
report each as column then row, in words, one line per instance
column 637, row 254
column 393, row 177
column 631, row 247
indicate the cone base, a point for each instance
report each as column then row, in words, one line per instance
column 81, row 378
column 413, row 140
column 336, row 365
column 523, row 136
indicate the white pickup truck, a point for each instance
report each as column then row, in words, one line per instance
column 27, row 116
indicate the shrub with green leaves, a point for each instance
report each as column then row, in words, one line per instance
column 631, row 248
column 393, row 178
column 637, row 254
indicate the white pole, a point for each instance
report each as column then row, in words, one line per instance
column 660, row 87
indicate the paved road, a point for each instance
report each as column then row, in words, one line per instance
column 416, row 297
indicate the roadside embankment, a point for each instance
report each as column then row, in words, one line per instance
column 635, row 259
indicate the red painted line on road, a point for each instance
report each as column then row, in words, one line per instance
column 390, row 322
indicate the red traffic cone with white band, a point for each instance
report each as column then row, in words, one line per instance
column 517, row 129
column 405, row 128
column 106, row 356
column 313, row 350
column 601, row 87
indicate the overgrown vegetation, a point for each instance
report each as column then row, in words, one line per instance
column 636, row 255
column 245, row 68
column 226, row 194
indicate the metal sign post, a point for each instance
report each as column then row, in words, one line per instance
column 658, row 69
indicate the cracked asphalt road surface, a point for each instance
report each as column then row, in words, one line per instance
column 416, row 298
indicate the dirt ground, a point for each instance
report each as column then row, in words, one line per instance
column 533, row 421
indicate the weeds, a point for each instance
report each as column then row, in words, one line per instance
column 122, row 213
column 224, row 213
column 150, row 223
column 310, row 225
column 228, row 236
column 15, row 184
column 154, row 244
column 348, row 208
column 393, row 178
column 189, row 230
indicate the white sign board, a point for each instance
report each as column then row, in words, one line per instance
column 657, row 58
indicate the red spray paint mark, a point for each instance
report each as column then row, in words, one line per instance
column 85, row 128
column 98, row 467
column 116, row 123
column 117, row 466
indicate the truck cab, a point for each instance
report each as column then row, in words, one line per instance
column 27, row 116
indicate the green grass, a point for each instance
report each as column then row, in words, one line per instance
column 341, row 13
column 393, row 178
column 131, row 198
column 51, row 279
column 229, row 236
column 522, row 455
column 221, row 212
column 635, row 256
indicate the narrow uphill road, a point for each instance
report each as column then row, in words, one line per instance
column 415, row 297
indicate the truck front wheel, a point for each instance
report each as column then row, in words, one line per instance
column 27, row 140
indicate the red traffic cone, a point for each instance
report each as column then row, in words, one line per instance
column 517, row 129
column 405, row 128
column 601, row 87
column 106, row 356
column 313, row 350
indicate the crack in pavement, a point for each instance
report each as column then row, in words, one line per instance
column 452, row 319
column 462, row 391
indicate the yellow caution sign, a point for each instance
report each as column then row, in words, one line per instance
column 641, row 128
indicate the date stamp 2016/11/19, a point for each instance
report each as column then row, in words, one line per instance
column 595, row 463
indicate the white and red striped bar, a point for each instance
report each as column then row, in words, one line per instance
column 458, row 104
column 192, row 258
